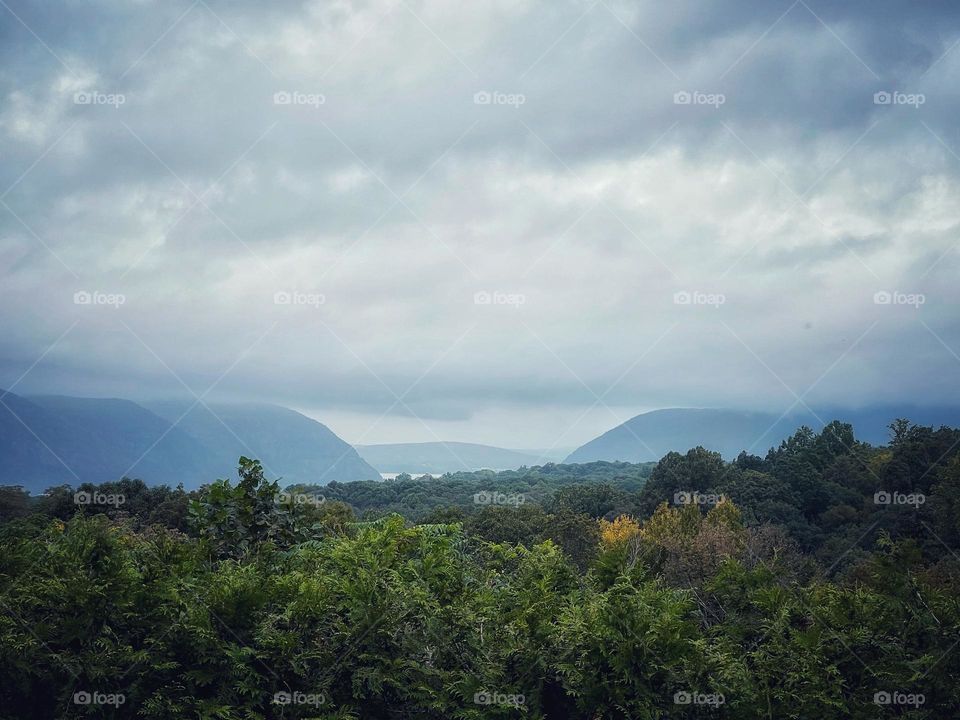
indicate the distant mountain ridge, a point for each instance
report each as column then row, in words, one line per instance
column 649, row 436
column 49, row 440
column 290, row 445
column 441, row 457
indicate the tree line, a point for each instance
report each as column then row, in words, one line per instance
column 818, row 580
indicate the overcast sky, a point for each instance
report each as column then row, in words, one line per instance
column 516, row 222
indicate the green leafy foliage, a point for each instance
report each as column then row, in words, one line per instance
column 796, row 595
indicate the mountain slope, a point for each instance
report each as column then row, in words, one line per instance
column 441, row 457
column 291, row 446
column 26, row 432
column 51, row 440
column 650, row 436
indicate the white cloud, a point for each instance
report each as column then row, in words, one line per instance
column 399, row 198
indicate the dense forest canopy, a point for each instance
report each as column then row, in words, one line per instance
column 817, row 581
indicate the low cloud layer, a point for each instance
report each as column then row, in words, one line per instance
column 512, row 222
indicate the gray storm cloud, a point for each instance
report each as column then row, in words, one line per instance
column 511, row 222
